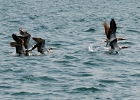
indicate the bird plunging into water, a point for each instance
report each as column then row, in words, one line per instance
column 19, row 45
column 41, row 46
column 114, row 46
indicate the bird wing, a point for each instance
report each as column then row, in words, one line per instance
column 40, row 46
column 17, row 38
column 26, row 42
column 26, row 38
column 112, row 30
column 106, row 27
column 14, row 44
column 37, row 39
column 18, row 46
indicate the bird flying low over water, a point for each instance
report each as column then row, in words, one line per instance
column 41, row 46
column 111, row 31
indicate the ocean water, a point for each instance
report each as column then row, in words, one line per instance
column 71, row 71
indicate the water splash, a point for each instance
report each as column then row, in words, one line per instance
column 96, row 47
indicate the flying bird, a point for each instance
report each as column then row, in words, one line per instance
column 111, row 31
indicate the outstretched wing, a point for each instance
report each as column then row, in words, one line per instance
column 40, row 46
column 124, row 47
column 106, row 27
column 37, row 39
column 18, row 47
column 112, row 31
column 14, row 44
column 17, row 38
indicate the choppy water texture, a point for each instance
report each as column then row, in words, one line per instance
column 71, row 72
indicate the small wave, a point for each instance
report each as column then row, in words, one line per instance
column 32, row 17
column 70, row 57
column 108, row 81
column 85, row 75
column 64, row 61
column 90, row 30
column 14, row 21
column 24, row 93
column 85, row 89
column 5, row 87
column 37, row 78
column 43, row 27
column 11, row 70
column 56, row 44
column 6, row 70
column 45, row 78
column 82, row 74
column 135, row 31
column 91, row 63
column 127, row 42
column 79, row 20
column 136, row 75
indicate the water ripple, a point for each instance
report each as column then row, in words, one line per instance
column 108, row 81
column 136, row 75
column 71, row 71
column 90, row 30
column 24, row 93
column 85, row 89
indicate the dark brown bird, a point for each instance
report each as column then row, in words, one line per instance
column 19, row 45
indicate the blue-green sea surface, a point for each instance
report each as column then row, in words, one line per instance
column 71, row 71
